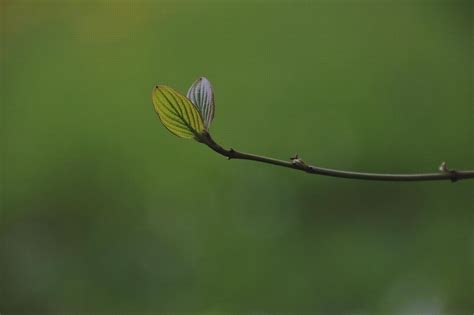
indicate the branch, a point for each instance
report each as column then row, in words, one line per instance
column 298, row 164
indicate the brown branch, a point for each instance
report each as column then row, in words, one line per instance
column 298, row 164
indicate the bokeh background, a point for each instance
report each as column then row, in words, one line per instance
column 103, row 210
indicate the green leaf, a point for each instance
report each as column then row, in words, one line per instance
column 177, row 113
column 202, row 95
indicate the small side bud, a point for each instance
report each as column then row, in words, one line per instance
column 443, row 167
column 296, row 161
column 231, row 152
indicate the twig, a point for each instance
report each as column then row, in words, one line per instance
column 298, row 164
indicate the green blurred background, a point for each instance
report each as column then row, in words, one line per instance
column 104, row 210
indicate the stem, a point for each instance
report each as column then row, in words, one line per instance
column 297, row 164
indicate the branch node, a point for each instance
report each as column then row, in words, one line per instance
column 444, row 169
column 231, row 153
column 296, row 161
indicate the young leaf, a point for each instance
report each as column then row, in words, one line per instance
column 202, row 95
column 177, row 113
